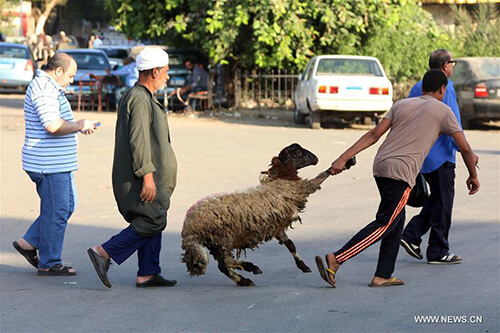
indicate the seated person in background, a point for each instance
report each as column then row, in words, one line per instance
column 129, row 72
column 63, row 40
column 197, row 82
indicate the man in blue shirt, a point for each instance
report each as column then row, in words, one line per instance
column 131, row 74
column 196, row 82
column 439, row 172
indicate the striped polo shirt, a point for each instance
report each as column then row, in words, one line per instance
column 45, row 102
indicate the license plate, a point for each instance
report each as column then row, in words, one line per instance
column 177, row 81
column 6, row 65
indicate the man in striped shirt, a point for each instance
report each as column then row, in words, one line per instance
column 49, row 158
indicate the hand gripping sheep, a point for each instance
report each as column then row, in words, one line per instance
column 243, row 220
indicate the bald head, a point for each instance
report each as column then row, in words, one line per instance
column 62, row 68
column 62, row 60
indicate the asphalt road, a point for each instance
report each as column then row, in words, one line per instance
column 224, row 154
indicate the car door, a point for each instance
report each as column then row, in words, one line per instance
column 300, row 90
column 309, row 83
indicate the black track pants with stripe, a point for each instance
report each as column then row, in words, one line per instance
column 388, row 227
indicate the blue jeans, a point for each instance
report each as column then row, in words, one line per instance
column 58, row 200
column 122, row 245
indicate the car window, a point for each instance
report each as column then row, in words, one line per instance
column 488, row 67
column 460, row 72
column 115, row 53
column 13, row 52
column 306, row 70
column 348, row 67
column 175, row 60
column 310, row 69
column 90, row 61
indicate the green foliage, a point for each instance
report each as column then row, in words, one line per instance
column 404, row 39
column 286, row 33
column 6, row 25
column 477, row 33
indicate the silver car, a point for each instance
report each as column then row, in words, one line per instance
column 17, row 66
column 342, row 87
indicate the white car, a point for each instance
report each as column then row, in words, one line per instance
column 342, row 86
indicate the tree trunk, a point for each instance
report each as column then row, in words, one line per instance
column 43, row 18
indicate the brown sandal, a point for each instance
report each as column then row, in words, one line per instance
column 57, row 270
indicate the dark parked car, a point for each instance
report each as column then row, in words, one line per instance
column 17, row 66
column 116, row 54
column 477, row 84
column 177, row 71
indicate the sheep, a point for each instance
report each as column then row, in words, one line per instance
column 243, row 220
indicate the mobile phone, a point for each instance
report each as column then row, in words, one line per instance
column 98, row 124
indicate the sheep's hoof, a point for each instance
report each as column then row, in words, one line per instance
column 303, row 267
column 256, row 270
column 245, row 283
column 249, row 267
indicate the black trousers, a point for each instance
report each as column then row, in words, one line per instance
column 388, row 226
column 436, row 213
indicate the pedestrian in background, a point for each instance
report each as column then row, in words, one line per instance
column 97, row 42
column 129, row 71
column 415, row 124
column 144, row 175
column 91, row 41
column 439, row 171
column 49, row 158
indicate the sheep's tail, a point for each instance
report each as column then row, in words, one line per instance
column 195, row 256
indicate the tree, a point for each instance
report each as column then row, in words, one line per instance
column 41, row 11
column 286, row 33
column 478, row 32
column 404, row 39
column 6, row 25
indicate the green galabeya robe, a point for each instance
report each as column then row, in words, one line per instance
column 142, row 146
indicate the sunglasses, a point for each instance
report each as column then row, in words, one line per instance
column 452, row 62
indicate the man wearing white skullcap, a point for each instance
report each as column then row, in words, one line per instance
column 144, row 175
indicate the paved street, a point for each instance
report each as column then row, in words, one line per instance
column 225, row 154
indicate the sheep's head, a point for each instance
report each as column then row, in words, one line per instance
column 196, row 259
column 289, row 160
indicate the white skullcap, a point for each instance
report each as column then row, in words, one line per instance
column 151, row 57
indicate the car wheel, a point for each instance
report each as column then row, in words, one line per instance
column 298, row 117
column 315, row 120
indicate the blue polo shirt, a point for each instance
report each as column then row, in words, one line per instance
column 445, row 147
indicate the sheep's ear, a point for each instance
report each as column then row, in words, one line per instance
column 275, row 161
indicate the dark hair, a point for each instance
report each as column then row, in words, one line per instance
column 62, row 60
column 438, row 58
column 433, row 80
column 148, row 72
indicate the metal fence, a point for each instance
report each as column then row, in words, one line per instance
column 269, row 89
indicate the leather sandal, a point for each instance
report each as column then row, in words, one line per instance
column 30, row 255
column 57, row 270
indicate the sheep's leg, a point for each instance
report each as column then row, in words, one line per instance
column 283, row 239
column 246, row 265
column 225, row 259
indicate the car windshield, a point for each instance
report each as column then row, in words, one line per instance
column 487, row 67
column 348, row 67
column 175, row 60
column 13, row 52
column 116, row 53
column 90, row 61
